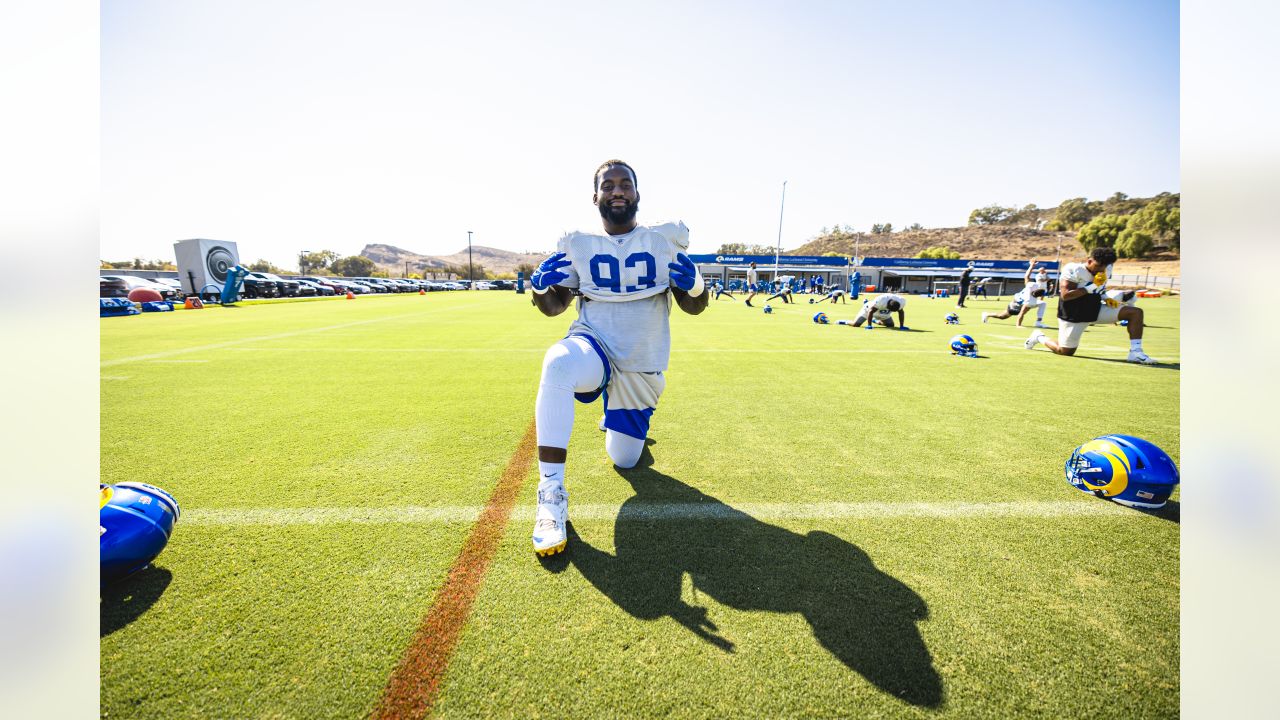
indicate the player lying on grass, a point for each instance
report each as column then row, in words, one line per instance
column 880, row 310
column 1083, row 302
column 619, row 345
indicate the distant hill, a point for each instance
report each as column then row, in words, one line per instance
column 392, row 259
column 991, row 242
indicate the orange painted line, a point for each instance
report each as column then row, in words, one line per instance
column 412, row 690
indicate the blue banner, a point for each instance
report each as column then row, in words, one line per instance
column 871, row 262
column 956, row 264
column 761, row 260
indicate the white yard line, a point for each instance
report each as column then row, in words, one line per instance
column 277, row 336
column 659, row 511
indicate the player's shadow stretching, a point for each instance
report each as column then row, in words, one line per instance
column 864, row 617
column 1172, row 511
column 125, row 601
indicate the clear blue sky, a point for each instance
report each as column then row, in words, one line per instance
column 291, row 125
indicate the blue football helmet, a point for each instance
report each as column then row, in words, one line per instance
column 964, row 345
column 135, row 521
column 820, row 318
column 952, row 319
column 768, row 310
column 1123, row 468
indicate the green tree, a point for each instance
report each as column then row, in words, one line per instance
column 1161, row 219
column 314, row 262
column 1073, row 214
column 264, row 266
column 990, row 215
column 737, row 248
column 1133, row 242
column 1102, row 231
column 881, row 229
column 939, row 253
column 353, row 266
column 913, row 227
column 528, row 268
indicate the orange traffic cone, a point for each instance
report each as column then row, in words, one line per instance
column 193, row 303
column 351, row 295
column 421, row 291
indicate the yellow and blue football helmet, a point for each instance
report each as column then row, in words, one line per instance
column 768, row 310
column 135, row 521
column 952, row 319
column 820, row 318
column 1123, row 468
column 964, row 346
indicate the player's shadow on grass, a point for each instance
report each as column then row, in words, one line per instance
column 1157, row 366
column 863, row 616
column 127, row 600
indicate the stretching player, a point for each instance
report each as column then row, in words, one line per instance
column 626, row 279
column 833, row 295
column 784, row 292
column 1022, row 302
column 1082, row 303
column 719, row 290
column 881, row 311
column 1041, row 282
column 1030, row 296
column 752, row 279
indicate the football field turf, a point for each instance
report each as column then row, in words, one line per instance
column 828, row 522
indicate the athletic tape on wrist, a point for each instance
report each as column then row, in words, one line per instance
column 698, row 285
column 536, row 291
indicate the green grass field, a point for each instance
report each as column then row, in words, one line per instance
column 832, row 522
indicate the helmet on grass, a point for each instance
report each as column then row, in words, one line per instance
column 1123, row 468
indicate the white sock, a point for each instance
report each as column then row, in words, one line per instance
column 1040, row 312
column 1038, row 337
column 1135, row 345
column 550, row 473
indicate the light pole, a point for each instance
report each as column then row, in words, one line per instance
column 778, row 249
column 470, row 273
column 302, row 261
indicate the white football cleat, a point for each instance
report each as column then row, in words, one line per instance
column 1034, row 340
column 984, row 317
column 1137, row 356
column 551, row 519
column 1040, row 324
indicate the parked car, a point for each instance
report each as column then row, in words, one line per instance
column 283, row 287
column 379, row 284
column 503, row 284
column 483, row 285
column 307, row 288
column 335, row 284
column 114, row 284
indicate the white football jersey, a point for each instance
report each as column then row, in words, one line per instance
column 752, row 276
column 623, row 280
column 881, row 303
column 1080, row 275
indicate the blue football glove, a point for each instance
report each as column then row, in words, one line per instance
column 867, row 326
column 684, row 275
column 548, row 273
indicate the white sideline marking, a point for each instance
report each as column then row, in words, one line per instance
column 277, row 336
column 179, row 361
column 114, row 377
column 658, row 511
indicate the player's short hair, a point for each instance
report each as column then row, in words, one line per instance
column 595, row 179
column 1038, row 292
column 1103, row 255
column 893, row 305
